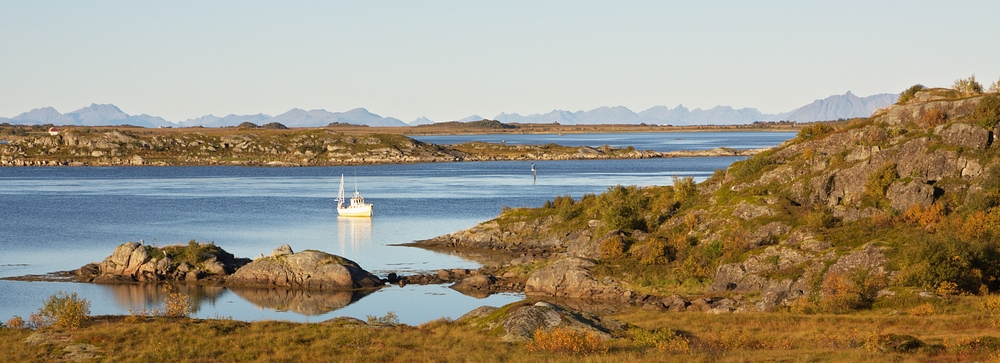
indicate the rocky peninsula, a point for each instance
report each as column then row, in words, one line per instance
column 334, row 145
column 840, row 217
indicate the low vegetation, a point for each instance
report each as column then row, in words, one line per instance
column 910, row 330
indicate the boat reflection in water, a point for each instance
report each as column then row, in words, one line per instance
column 353, row 233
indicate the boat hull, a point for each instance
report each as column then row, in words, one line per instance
column 356, row 211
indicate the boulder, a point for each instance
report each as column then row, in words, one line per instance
column 520, row 321
column 307, row 269
column 569, row 277
column 964, row 135
column 905, row 195
column 281, row 251
column 474, row 283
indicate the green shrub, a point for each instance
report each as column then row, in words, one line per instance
column 622, row 208
column 813, row 131
column 931, row 260
column 390, row 319
column 879, row 181
column 988, row 196
column 685, row 189
column 821, row 218
column 968, row 86
column 65, row 310
column 988, row 111
column 749, row 167
column 909, row 93
column 193, row 253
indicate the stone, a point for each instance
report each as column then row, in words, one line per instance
column 477, row 312
column 281, row 251
column 478, row 282
column 868, row 257
column 307, row 269
column 748, row 211
column 569, row 277
column 964, row 135
column 444, row 275
column 214, row 267
column 905, row 195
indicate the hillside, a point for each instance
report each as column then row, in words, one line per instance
column 903, row 204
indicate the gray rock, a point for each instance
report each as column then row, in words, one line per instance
column 905, row 195
column 307, row 269
column 478, row 312
column 964, row 135
column 474, row 283
column 750, row 211
column 869, row 257
column 281, row 251
column 569, row 277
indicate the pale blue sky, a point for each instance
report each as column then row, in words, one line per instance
column 450, row 59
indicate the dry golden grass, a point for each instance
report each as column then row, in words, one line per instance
column 962, row 331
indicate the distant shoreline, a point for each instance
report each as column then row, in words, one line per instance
column 326, row 146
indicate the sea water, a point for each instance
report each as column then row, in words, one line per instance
column 60, row 218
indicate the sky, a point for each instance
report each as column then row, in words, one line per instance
column 447, row 60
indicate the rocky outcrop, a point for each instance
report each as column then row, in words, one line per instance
column 783, row 273
column 135, row 262
column 527, row 237
column 307, row 269
column 914, row 112
column 570, row 277
column 520, row 321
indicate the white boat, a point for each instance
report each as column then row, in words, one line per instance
column 357, row 208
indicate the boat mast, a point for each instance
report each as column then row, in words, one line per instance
column 340, row 194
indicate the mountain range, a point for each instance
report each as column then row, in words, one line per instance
column 831, row 108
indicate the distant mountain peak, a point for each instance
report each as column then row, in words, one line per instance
column 833, row 107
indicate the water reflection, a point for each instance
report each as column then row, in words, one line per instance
column 353, row 233
column 136, row 297
column 305, row 302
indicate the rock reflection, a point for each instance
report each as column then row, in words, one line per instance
column 353, row 233
column 136, row 297
column 305, row 302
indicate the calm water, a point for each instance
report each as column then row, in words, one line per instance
column 656, row 141
column 54, row 219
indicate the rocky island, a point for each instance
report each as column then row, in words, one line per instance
column 135, row 146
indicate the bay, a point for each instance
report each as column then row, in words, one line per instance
column 61, row 218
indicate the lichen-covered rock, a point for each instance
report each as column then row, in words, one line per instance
column 520, row 321
column 964, row 135
column 905, row 195
column 307, row 269
column 569, row 277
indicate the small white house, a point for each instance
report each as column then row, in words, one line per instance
column 53, row 131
